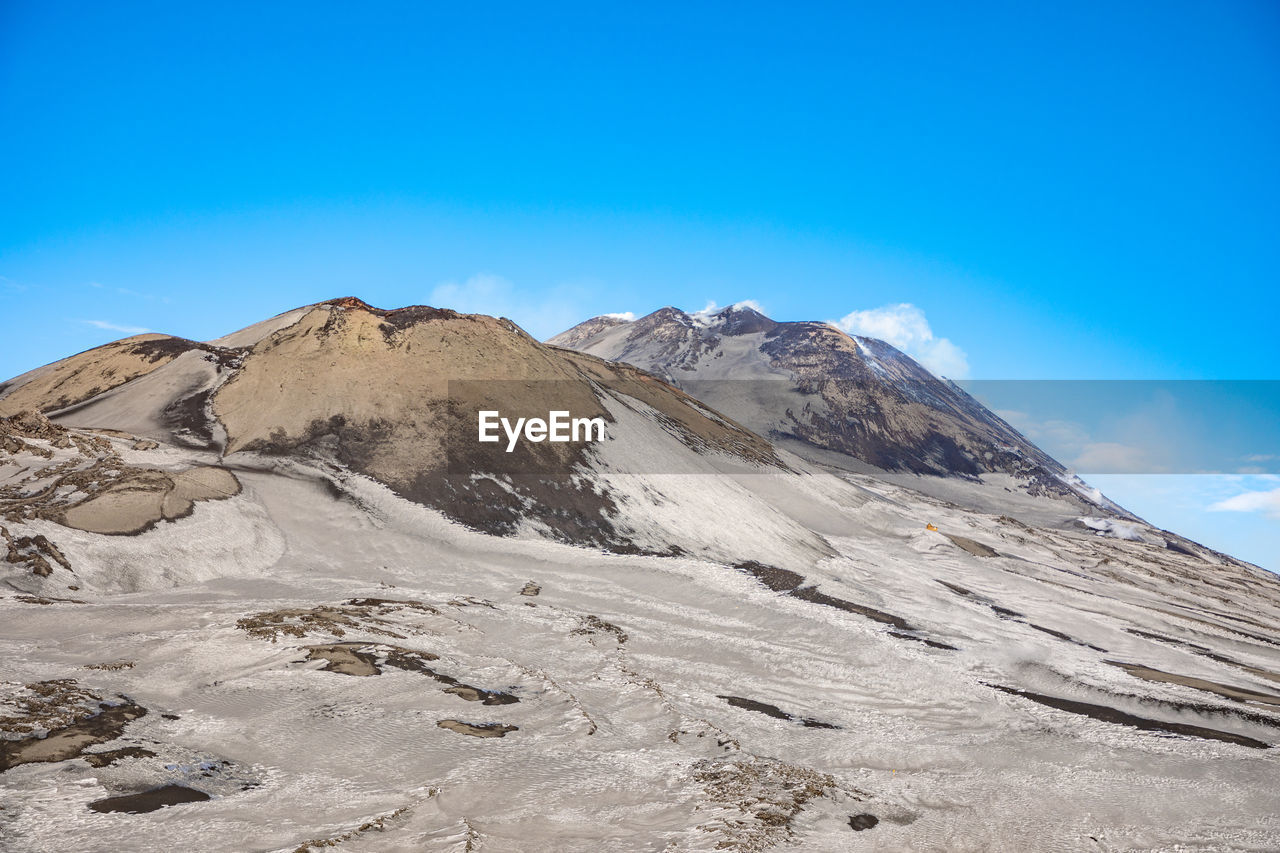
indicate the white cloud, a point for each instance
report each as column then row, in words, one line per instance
column 540, row 315
column 1112, row 457
column 1064, row 438
column 1136, row 451
column 483, row 293
column 114, row 327
column 904, row 325
column 624, row 316
column 704, row 315
column 1267, row 502
column 1072, row 443
column 124, row 291
column 712, row 308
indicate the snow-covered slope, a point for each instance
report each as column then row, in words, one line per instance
column 306, row 653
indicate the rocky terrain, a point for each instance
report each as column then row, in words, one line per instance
column 267, row 593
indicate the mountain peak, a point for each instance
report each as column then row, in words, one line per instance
column 394, row 395
column 829, row 395
column 742, row 318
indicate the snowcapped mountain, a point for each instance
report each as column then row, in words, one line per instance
column 275, row 584
column 837, row 399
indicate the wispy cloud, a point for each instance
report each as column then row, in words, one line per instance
column 624, row 316
column 1138, row 436
column 115, row 327
column 1113, row 457
column 1266, row 502
column 134, row 294
column 540, row 315
column 1070, row 443
column 707, row 311
column 1066, row 438
column 905, row 326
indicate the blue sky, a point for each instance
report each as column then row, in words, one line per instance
column 1082, row 192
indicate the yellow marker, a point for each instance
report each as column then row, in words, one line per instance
column 930, row 527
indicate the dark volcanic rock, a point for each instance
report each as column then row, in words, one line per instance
column 859, row 822
column 149, row 801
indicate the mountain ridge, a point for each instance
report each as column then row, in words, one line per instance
column 392, row 394
column 856, row 396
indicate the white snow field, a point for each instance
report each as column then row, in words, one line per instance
column 621, row 740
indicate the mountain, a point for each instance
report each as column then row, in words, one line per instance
column 272, row 592
column 834, row 398
column 393, row 395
